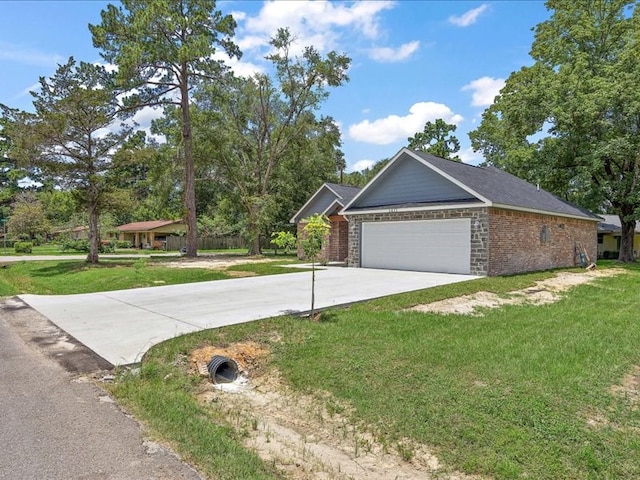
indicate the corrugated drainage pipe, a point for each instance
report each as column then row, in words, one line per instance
column 222, row 369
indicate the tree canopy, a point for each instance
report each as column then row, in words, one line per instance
column 258, row 125
column 72, row 135
column 437, row 140
column 162, row 50
column 571, row 121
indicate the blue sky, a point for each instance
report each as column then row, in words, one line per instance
column 412, row 61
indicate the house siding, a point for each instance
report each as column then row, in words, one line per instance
column 479, row 232
column 413, row 183
column 524, row 242
column 323, row 200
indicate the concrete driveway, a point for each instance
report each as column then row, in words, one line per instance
column 122, row 325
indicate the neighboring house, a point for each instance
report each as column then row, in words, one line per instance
column 152, row 234
column 328, row 200
column 75, row 233
column 609, row 234
column 426, row 213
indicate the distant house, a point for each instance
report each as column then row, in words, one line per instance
column 151, row 234
column 609, row 235
column 75, row 233
column 328, row 200
column 425, row 213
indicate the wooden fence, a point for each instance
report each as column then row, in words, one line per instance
column 207, row 243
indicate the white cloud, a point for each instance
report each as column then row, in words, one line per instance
column 27, row 91
column 484, row 90
column 389, row 55
column 468, row 18
column 28, row 56
column 319, row 23
column 238, row 16
column 252, row 41
column 393, row 128
column 469, row 156
column 240, row 68
column 362, row 165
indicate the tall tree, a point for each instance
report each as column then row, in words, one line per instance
column 71, row 136
column 571, row 121
column 437, row 140
column 148, row 174
column 162, row 49
column 262, row 121
column 11, row 173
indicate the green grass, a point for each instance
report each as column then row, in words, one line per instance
column 164, row 402
column 507, row 395
column 62, row 277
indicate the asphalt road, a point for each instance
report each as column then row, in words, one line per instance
column 59, row 425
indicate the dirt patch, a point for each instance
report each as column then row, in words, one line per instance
column 629, row 388
column 306, row 437
column 545, row 291
column 216, row 262
column 249, row 356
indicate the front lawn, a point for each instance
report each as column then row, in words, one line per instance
column 61, row 277
column 522, row 392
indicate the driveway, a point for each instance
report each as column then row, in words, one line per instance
column 120, row 326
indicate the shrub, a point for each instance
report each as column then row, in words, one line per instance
column 284, row 240
column 77, row 245
column 106, row 247
column 23, row 247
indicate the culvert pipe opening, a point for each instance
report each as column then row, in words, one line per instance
column 222, row 369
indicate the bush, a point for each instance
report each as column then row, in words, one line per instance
column 284, row 240
column 77, row 245
column 106, row 247
column 123, row 244
column 23, row 247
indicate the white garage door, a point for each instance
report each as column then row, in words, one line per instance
column 420, row 245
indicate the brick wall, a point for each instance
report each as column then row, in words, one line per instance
column 336, row 249
column 338, row 246
column 503, row 242
column 525, row 242
column 479, row 231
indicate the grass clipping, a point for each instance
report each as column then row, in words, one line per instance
column 545, row 291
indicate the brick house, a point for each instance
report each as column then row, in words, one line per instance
column 328, row 200
column 150, row 234
column 426, row 213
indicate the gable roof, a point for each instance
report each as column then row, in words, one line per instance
column 146, row 226
column 328, row 198
column 489, row 186
column 611, row 224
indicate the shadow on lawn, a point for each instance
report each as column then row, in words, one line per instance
column 66, row 267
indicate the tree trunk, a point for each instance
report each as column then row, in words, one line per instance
column 94, row 235
column 253, row 227
column 254, row 246
column 313, row 288
column 626, row 241
column 189, row 169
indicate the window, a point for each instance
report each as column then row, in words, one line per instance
column 545, row 235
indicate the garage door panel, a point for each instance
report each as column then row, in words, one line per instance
column 421, row 245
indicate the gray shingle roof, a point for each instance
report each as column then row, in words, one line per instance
column 611, row 224
column 345, row 192
column 502, row 188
